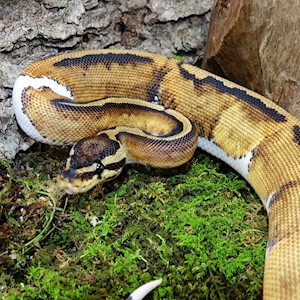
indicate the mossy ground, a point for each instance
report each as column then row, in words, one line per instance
column 199, row 227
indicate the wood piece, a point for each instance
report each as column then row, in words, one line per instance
column 257, row 44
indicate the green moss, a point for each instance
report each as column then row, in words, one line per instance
column 8, row 174
column 48, row 283
column 199, row 227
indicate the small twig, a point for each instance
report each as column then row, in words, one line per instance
column 45, row 231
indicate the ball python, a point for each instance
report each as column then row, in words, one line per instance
column 121, row 106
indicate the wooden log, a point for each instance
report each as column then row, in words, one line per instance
column 257, row 44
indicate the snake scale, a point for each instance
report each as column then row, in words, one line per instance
column 72, row 96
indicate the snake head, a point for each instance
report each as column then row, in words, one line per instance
column 92, row 160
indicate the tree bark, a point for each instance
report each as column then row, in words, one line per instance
column 32, row 30
column 257, row 44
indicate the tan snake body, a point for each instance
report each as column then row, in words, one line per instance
column 252, row 134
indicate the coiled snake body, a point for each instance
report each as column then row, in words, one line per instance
column 154, row 110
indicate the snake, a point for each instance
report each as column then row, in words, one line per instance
column 119, row 106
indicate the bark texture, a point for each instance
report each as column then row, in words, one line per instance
column 256, row 44
column 32, row 30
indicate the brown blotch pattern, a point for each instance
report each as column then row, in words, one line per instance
column 296, row 130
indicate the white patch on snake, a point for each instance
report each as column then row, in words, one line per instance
column 23, row 82
column 156, row 100
column 155, row 133
column 268, row 202
column 268, row 251
column 241, row 165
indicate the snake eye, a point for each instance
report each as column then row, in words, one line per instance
column 99, row 168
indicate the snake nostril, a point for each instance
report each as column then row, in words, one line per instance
column 68, row 174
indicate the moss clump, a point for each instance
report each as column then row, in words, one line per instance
column 199, row 227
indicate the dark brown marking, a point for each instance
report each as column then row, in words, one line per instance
column 92, row 150
column 116, row 165
column 278, row 238
column 296, row 130
column 71, row 175
column 277, row 195
column 66, row 105
column 154, row 86
column 187, row 75
column 161, row 139
column 106, row 59
column 239, row 93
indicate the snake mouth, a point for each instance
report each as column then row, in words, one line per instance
column 77, row 185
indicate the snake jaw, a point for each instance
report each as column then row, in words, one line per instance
column 77, row 186
column 74, row 181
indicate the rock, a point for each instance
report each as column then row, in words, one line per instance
column 32, row 30
column 261, row 36
column 170, row 10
